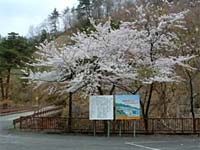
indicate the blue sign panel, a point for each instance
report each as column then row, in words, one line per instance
column 127, row 107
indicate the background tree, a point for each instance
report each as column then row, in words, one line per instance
column 97, row 10
column 108, row 6
column 190, row 44
column 54, row 22
column 84, row 9
column 67, row 18
column 14, row 53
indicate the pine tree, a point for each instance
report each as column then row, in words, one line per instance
column 54, row 21
column 14, row 53
column 97, row 8
column 84, row 9
column 0, row 38
column 108, row 4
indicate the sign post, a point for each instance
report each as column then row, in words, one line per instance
column 94, row 127
column 108, row 129
column 134, row 128
column 120, row 128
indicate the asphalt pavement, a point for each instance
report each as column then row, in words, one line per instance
column 15, row 140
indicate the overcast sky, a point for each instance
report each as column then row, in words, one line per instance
column 19, row 15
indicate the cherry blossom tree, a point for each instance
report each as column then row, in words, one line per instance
column 108, row 55
column 160, row 34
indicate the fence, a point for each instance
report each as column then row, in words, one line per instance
column 84, row 125
column 35, row 115
column 11, row 110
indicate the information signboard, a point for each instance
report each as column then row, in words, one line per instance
column 127, row 107
column 101, row 107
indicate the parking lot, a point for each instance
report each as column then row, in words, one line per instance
column 15, row 140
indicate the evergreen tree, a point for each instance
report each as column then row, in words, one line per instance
column 0, row 37
column 84, row 9
column 66, row 17
column 54, row 21
column 44, row 36
column 108, row 4
column 97, row 8
column 14, row 54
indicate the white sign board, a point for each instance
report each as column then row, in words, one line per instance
column 101, row 107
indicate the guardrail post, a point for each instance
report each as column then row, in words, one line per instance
column 42, row 124
column 182, row 126
column 14, row 124
column 198, row 126
column 20, row 123
column 152, row 126
column 194, row 125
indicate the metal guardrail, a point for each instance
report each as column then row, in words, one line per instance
column 84, row 125
column 36, row 114
column 16, row 110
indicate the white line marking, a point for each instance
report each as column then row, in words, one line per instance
column 152, row 142
column 141, row 146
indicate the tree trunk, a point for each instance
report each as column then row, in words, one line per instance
column 100, row 90
column 163, row 97
column 145, row 110
column 112, row 90
column 2, row 89
column 191, row 95
column 6, row 97
column 70, row 113
column 7, row 85
column 146, row 123
column 192, row 102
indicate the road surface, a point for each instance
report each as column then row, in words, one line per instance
column 15, row 140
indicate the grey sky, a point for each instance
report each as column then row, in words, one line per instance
column 19, row 15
